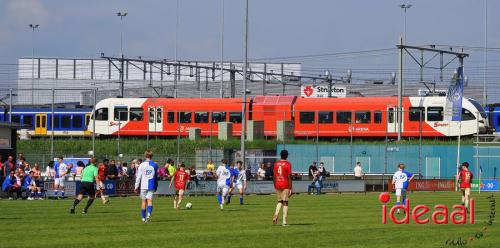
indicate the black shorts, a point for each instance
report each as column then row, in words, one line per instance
column 86, row 187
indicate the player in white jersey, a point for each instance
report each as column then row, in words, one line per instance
column 224, row 181
column 146, row 183
column 241, row 180
column 399, row 179
column 61, row 170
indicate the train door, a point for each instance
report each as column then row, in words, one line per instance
column 392, row 119
column 86, row 130
column 155, row 119
column 40, row 124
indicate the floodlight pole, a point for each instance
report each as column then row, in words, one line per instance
column 244, row 93
column 33, row 27
column 222, row 51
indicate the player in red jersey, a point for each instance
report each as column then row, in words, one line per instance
column 283, row 185
column 465, row 176
column 101, row 190
column 181, row 178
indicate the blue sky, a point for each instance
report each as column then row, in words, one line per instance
column 278, row 28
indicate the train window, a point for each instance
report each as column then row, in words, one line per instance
column 66, row 121
column 235, row 117
column 363, row 117
column 28, row 120
column 136, row 114
column 87, row 120
column 325, row 117
column 201, row 117
column 151, row 115
column 44, row 121
column 159, row 112
column 377, row 117
column 218, row 117
column 415, row 113
column 390, row 115
column 306, row 117
column 171, row 117
column 101, row 114
column 56, row 121
column 434, row 113
column 466, row 115
column 185, row 117
column 16, row 118
column 344, row 117
column 38, row 124
column 121, row 114
column 77, row 121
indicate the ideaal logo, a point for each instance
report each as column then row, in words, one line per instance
column 440, row 215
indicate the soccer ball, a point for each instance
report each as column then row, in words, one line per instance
column 189, row 205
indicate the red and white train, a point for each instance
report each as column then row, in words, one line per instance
column 311, row 117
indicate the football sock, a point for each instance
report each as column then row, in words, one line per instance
column 39, row 194
column 32, row 194
column 278, row 208
column 89, row 203
column 398, row 203
column 150, row 210
column 229, row 199
column 404, row 201
column 143, row 213
column 219, row 199
column 241, row 200
column 55, row 193
column 179, row 203
column 75, row 203
column 62, row 193
column 285, row 214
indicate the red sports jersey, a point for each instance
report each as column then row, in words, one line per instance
column 101, row 172
column 465, row 179
column 181, row 178
column 282, row 169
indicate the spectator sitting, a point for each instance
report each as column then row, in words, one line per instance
column 261, row 173
column 11, row 185
column 269, row 171
column 192, row 175
column 112, row 170
column 358, row 171
column 31, row 187
column 315, row 184
column 210, row 166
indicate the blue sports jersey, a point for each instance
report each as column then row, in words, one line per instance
column 27, row 181
column 234, row 173
column 147, row 178
column 408, row 175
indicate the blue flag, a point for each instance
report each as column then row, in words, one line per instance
column 455, row 93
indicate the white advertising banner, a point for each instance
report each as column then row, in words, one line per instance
column 321, row 91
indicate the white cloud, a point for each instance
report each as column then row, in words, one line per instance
column 25, row 12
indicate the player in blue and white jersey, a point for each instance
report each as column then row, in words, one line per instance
column 61, row 171
column 405, row 184
column 224, row 182
column 234, row 175
column 146, row 183
column 240, row 180
column 400, row 180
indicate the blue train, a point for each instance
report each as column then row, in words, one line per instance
column 38, row 120
column 493, row 112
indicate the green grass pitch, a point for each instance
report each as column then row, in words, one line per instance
column 331, row 220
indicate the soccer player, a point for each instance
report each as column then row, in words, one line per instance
column 465, row 176
column 181, row 178
column 61, row 170
column 283, row 185
column 400, row 182
column 224, row 181
column 146, row 184
column 410, row 176
column 234, row 175
column 240, row 180
column 101, row 172
column 87, row 185
column 31, row 187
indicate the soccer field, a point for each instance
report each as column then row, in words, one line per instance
column 332, row 220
